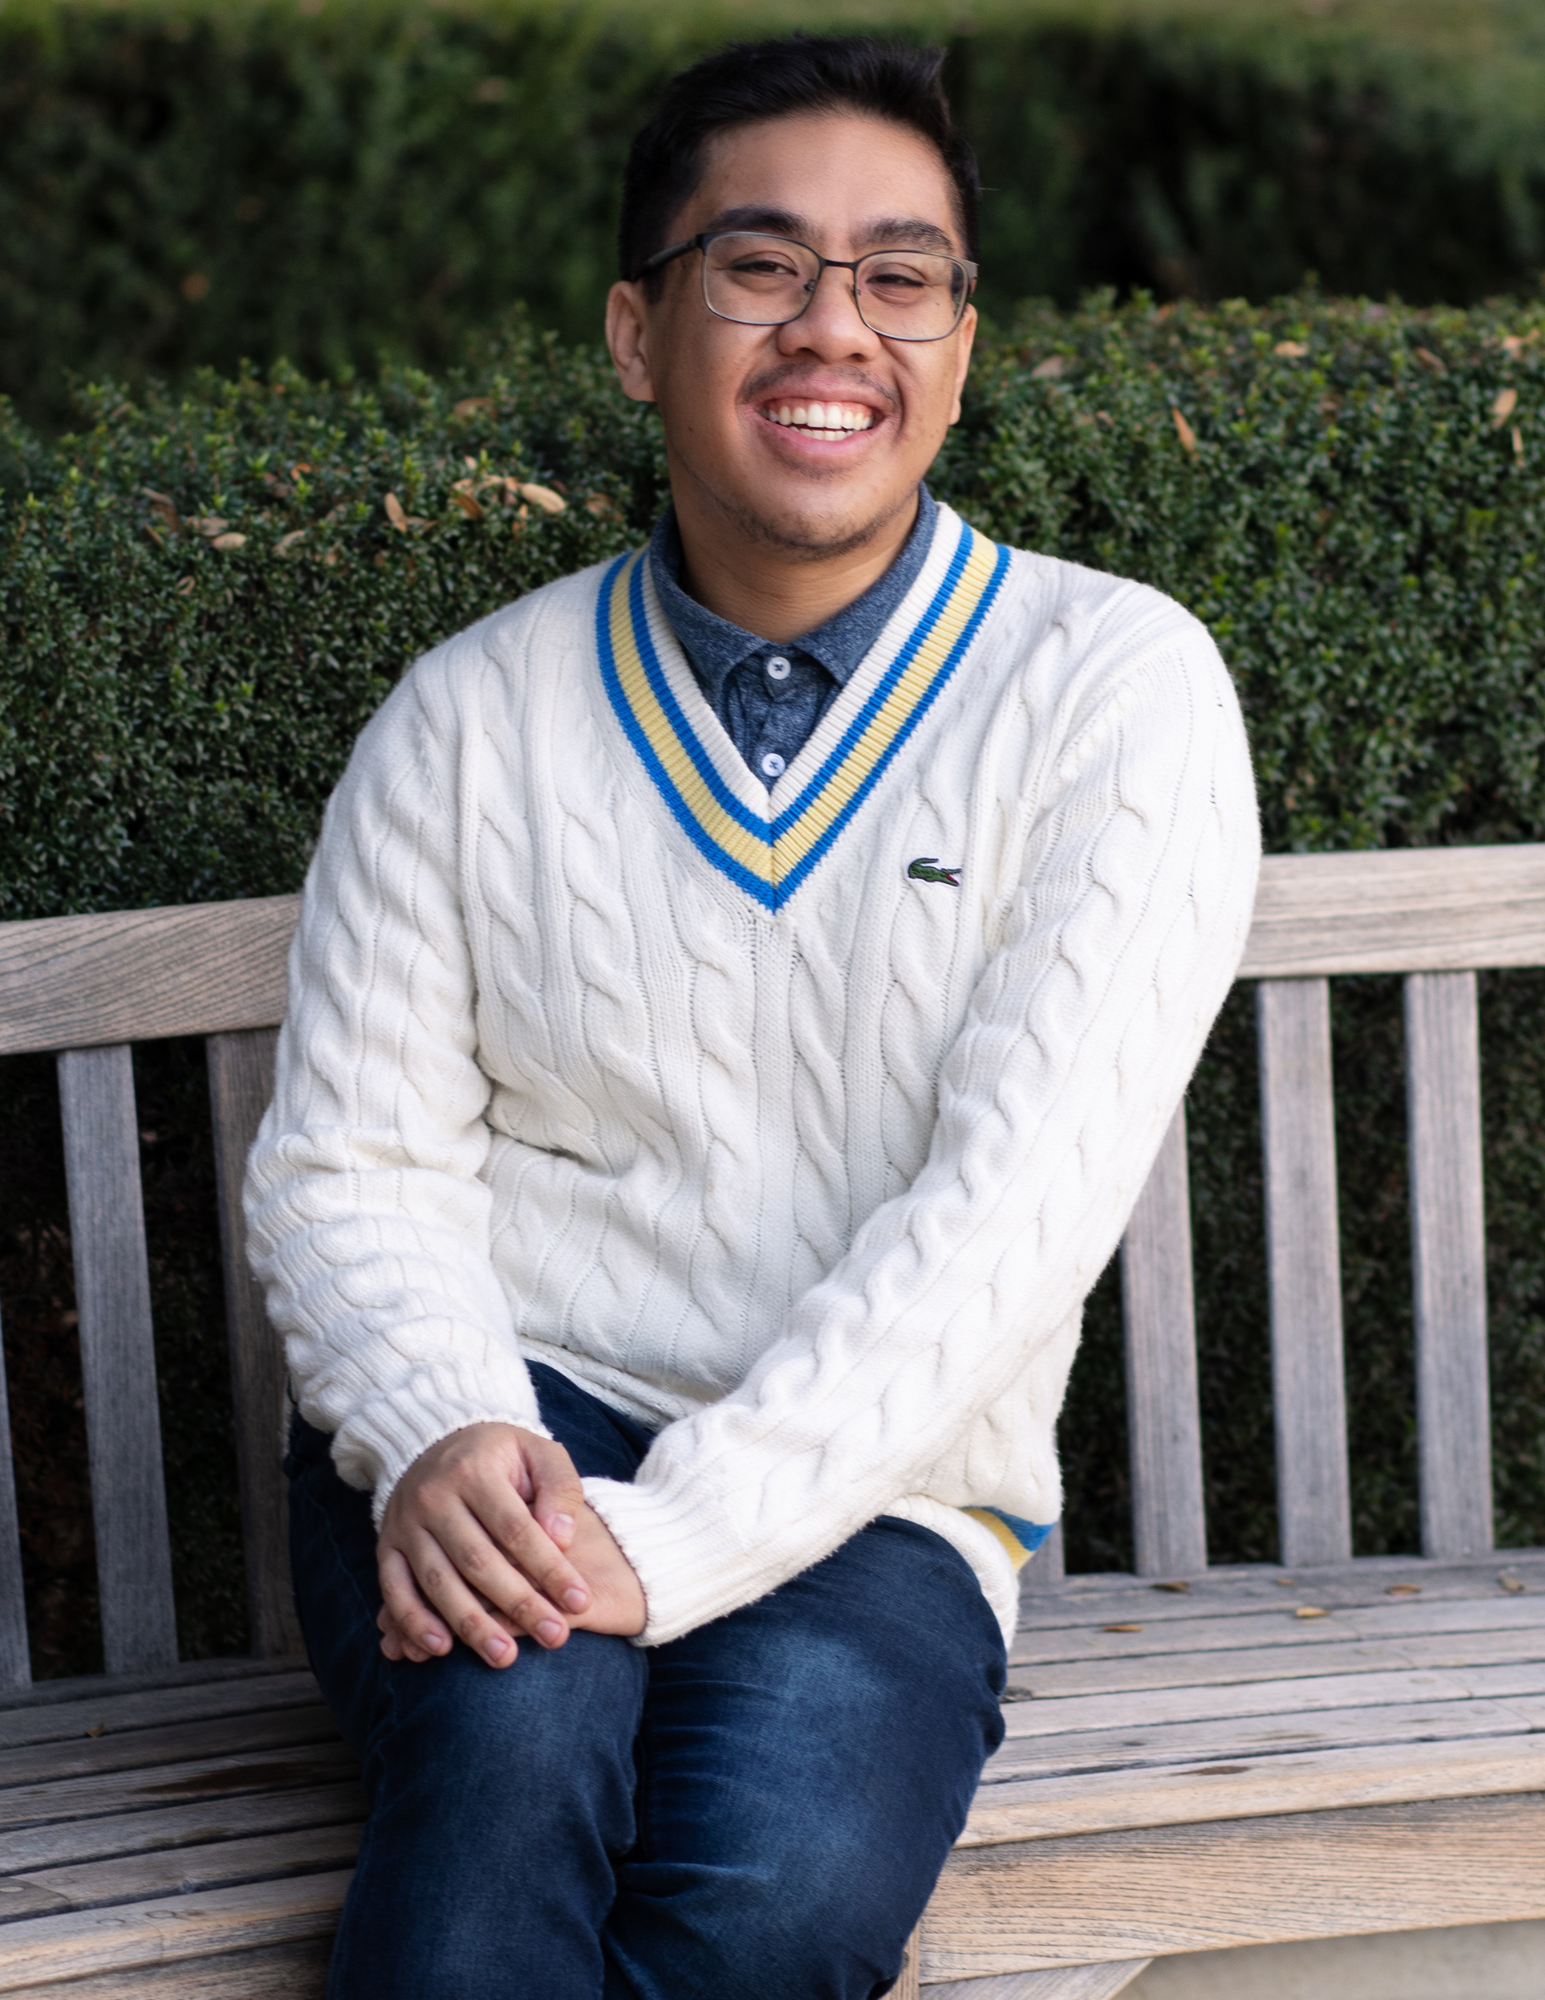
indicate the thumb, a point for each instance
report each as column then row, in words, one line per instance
column 558, row 1495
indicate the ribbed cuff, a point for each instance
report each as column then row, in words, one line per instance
column 392, row 1431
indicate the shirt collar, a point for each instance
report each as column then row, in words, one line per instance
column 714, row 647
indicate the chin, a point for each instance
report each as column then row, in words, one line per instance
column 816, row 528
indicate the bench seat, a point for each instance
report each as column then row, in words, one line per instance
column 191, row 1832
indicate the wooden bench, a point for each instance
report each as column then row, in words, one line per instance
column 1190, row 1763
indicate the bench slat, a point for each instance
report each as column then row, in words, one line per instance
column 1169, row 1517
column 167, row 1929
column 1448, row 1247
column 135, row 975
column 1314, row 1509
column 213, row 1864
column 241, row 1081
column 1418, row 909
column 15, row 1662
column 118, row 1358
column 303, row 1767
column 274, row 1972
column 1064, row 1982
column 144, row 1831
column 1253, row 1881
column 1046, row 1569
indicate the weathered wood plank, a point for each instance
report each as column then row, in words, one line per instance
column 135, row 975
column 1448, row 1250
column 1146, row 1894
column 145, row 1831
column 109, row 1713
column 186, row 1674
column 286, row 1768
column 241, row 1081
column 15, row 1658
column 146, row 1750
column 1137, row 1710
column 1164, row 1421
column 1087, row 1600
column 1230, row 1667
column 1396, row 1621
column 118, row 1358
column 281, row 1972
column 1235, row 1738
column 128, row 1935
column 905, row 1987
column 214, row 1864
column 1428, row 909
column 1314, row 1508
column 1087, row 1802
column 1063, row 1982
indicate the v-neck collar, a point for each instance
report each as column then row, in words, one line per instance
column 765, row 842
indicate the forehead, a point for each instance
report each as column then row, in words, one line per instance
column 840, row 173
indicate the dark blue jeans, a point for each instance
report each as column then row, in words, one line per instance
column 759, row 1809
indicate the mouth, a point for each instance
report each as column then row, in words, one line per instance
column 823, row 422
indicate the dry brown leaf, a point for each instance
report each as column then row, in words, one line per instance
column 1311, row 1611
column 1184, row 432
column 522, row 516
column 1510, row 1580
column 96, row 1729
column 161, row 504
column 1518, row 442
column 1291, row 350
column 1049, row 369
column 471, row 507
column 542, row 496
column 1503, row 407
column 1285, row 1582
column 1430, row 360
column 185, row 586
column 472, row 406
column 1513, row 344
column 207, row 524
column 287, row 542
column 1179, row 1588
column 1403, row 1590
column 394, row 513
column 1123, row 1628
column 598, row 503
column 229, row 542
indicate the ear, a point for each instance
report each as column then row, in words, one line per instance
column 627, row 339
column 965, row 337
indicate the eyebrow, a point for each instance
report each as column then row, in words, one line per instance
column 909, row 230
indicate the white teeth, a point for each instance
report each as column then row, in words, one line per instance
column 824, row 420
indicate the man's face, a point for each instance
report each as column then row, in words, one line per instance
column 844, row 183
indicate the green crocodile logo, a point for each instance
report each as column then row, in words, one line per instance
column 926, row 869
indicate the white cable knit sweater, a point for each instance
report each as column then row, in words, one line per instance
column 600, row 1054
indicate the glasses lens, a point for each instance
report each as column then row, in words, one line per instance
column 758, row 280
column 911, row 294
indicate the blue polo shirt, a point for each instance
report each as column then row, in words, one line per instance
column 768, row 697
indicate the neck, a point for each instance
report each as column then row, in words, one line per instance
column 775, row 591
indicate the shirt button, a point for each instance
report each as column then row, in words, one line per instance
column 778, row 669
column 772, row 765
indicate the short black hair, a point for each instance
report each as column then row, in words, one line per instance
column 750, row 81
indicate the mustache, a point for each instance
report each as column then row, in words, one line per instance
column 772, row 380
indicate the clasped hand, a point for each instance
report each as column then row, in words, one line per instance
column 488, row 1538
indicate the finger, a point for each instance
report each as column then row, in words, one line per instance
column 558, row 1495
column 413, row 1619
column 505, row 1522
column 499, row 1585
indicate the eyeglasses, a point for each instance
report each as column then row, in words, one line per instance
column 760, row 280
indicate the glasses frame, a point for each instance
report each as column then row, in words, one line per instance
column 704, row 237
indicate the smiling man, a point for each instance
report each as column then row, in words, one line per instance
column 739, row 994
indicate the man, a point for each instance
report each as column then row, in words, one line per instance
column 739, row 995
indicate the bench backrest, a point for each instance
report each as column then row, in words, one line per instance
column 88, row 987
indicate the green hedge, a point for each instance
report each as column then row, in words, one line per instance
column 203, row 595
column 329, row 180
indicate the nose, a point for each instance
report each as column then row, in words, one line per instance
column 829, row 327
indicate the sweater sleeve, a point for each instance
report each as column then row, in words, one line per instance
column 368, row 1224
column 1120, row 944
